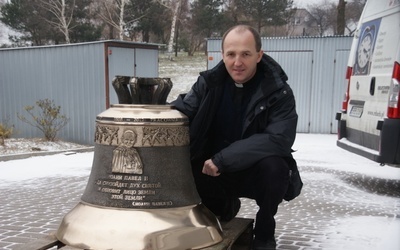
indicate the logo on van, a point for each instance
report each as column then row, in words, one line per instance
column 365, row 47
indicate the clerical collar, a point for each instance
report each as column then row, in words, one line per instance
column 239, row 85
column 250, row 84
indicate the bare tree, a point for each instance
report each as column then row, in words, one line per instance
column 353, row 13
column 339, row 17
column 112, row 13
column 121, row 23
column 63, row 19
column 341, row 20
column 174, row 6
column 324, row 16
column 173, row 27
column 232, row 13
column 2, row 27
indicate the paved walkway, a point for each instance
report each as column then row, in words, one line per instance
column 331, row 202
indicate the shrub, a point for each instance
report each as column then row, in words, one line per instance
column 6, row 131
column 48, row 120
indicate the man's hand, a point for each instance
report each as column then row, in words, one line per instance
column 210, row 169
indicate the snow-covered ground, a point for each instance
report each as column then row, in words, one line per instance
column 313, row 150
column 183, row 71
column 317, row 150
column 317, row 155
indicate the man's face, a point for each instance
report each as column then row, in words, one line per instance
column 240, row 56
column 129, row 140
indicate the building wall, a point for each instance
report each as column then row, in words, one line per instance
column 76, row 76
column 316, row 67
column 302, row 24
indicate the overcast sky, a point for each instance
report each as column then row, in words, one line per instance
column 305, row 3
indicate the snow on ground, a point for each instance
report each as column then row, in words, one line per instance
column 321, row 150
column 24, row 145
column 317, row 150
column 371, row 229
column 64, row 164
column 183, row 71
column 312, row 150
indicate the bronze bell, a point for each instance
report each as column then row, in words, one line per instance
column 141, row 192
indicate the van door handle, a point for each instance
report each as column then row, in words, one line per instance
column 372, row 86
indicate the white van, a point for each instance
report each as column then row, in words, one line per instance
column 369, row 122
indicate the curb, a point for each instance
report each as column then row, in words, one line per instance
column 43, row 153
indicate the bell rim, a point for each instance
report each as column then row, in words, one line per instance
column 95, row 227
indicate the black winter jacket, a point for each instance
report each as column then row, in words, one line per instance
column 270, row 123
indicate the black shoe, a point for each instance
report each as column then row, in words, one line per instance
column 231, row 209
column 263, row 245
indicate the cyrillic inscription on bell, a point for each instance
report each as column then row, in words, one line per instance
column 141, row 192
column 141, row 159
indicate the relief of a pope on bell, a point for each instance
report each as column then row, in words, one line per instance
column 126, row 158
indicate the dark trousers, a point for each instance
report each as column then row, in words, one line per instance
column 266, row 182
